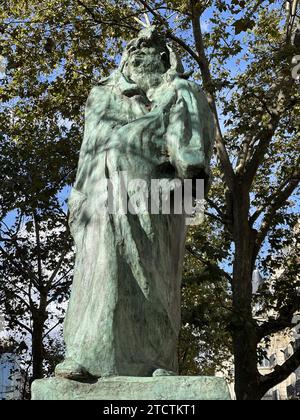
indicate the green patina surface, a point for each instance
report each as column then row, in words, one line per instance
column 123, row 318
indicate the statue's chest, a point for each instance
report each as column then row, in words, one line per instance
column 132, row 128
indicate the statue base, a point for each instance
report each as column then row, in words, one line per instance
column 133, row 388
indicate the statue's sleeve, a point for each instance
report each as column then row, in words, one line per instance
column 191, row 132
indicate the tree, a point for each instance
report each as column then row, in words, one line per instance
column 36, row 266
column 54, row 51
column 205, row 342
column 41, row 130
column 35, row 246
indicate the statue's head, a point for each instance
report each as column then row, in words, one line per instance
column 149, row 54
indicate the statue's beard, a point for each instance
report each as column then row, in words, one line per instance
column 146, row 78
column 146, row 81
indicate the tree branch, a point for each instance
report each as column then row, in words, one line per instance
column 225, row 219
column 280, row 373
column 19, row 224
column 275, row 205
column 38, row 247
column 58, row 265
column 29, row 274
column 60, row 279
column 54, row 297
column 21, row 299
column 8, row 229
column 268, row 202
column 292, row 13
column 96, row 18
column 25, row 327
column 284, row 319
column 213, row 216
column 264, row 138
column 274, row 325
column 164, row 22
column 209, row 265
column 218, row 210
column 52, row 328
column 209, row 88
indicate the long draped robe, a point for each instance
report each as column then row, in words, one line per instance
column 124, row 312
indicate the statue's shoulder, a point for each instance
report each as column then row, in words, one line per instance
column 195, row 87
column 184, row 83
column 94, row 94
column 95, row 90
column 113, row 84
column 105, row 82
column 102, row 90
column 100, row 87
column 190, row 86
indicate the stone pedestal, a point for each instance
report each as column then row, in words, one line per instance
column 133, row 388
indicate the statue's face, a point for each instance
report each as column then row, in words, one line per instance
column 145, row 56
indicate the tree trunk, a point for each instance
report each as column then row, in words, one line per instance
column 244, row 328
column 37, row 349
column 39, row 316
